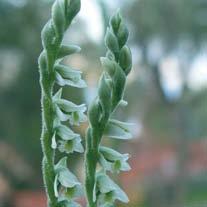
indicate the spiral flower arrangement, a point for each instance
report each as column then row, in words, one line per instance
column 100, row 189
column 62, row 186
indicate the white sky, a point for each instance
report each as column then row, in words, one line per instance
column 198, row 76
column 91, row 14
column 171, row 77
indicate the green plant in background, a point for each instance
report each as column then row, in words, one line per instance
column 100, row 189
column 61, row 185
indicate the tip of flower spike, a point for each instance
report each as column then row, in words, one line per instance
column 71, row 9
column 115, row 20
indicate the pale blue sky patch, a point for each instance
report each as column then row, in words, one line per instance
column 171, row 77
column 197, row 78
column 90, row 13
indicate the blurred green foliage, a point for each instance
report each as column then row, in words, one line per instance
column 20, row 100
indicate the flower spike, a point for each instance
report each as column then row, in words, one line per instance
column 61, row 185
column 100, row 189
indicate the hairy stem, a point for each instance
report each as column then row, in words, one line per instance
column 93, row 139
column 47, row 133
column 63, row 12
column 91, row 162
column 117, row 65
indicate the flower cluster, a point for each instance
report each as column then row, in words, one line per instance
column 61, row 184
column 107, row 191
column 101, row 190
column 66, row 185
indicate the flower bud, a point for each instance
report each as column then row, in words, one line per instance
column 115, row 21
column 58, row 17
column 108, row 65
column 125, row 59
column 72, row 8
column 48, row 36
column 111, row 41
column 122, row 34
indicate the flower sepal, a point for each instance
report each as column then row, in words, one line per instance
column 118, row 130
column 113, row 161
column 66, row 185
column 106, row 191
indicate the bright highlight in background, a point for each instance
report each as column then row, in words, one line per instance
column 198, row 76
column 91, row 14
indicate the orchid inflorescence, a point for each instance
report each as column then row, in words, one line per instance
column 100, row 189
column 62, row 186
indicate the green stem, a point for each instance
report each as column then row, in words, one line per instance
column 91, row 162
column 47, row 133
column 93, row 140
